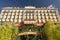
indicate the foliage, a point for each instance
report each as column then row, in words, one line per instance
column 5, row 32
column 57, row 31
column 28, row 28
column 34, row 29
column 48, row 31
column 14, row 33
column 25, row 28
column 8, row 32
column 35, row 38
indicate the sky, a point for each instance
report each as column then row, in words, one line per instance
column 23, row 3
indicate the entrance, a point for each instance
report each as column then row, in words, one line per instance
column 30, row 37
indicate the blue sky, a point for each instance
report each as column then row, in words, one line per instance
column 22, row 3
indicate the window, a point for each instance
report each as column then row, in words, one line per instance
column 10, row 10
column 45, row 11
column 54, row 17
column 16, row 16
column 31, row 17
column 55, row 20
column 0, row 20
column 21, row 11
column 4, row 16
column 7, row 19
column 28, row 14
column 20, row 17
column 31, row 14
column 53, row 14
column 28, row 17
column 24, row 17
column 5, row 13
column 15, row 20
column 17, row 11
column 14, row 10
column 3, row 19
column 39, row 21
column 24, row 13
column 8, row 16
column 50, row 14
column 42, row 14
column 12, row 16
column 48, row 11
column 46, row 17
column 39, row 14
column 51, row 17
column 38, row 11
column 1, row 16
column 7, row 10
column 46, row 14
column 42, row 11
column 39, row 17
column 19, row 20
column 53, row 11
column 44, row 21
column 43, row 17
column 11, row 20
column 13, row 13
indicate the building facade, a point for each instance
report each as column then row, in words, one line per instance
column 29, row 15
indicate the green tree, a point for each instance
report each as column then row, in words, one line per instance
column 14, row 33
column 48, row 31
column 7, row 31
column 57, row 31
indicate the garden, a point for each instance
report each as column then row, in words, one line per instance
column 50, row 31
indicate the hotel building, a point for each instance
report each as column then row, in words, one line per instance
column 29, row 15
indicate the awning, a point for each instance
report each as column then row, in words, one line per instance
column 18, row 24
column 29, row 22
column 27, row 33
column 39, row 24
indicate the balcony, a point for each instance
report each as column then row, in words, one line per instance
column 39, row 24
column 30, row 22
column 16, row 24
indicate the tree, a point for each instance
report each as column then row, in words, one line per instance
column 57, row 31
column 8, row 32
column 48, row 31
column 5, row 31
column 14, row 33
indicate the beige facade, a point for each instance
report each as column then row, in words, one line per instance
column 29, row 14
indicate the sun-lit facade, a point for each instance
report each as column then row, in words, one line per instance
column 29, row 15
column 30, row 20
